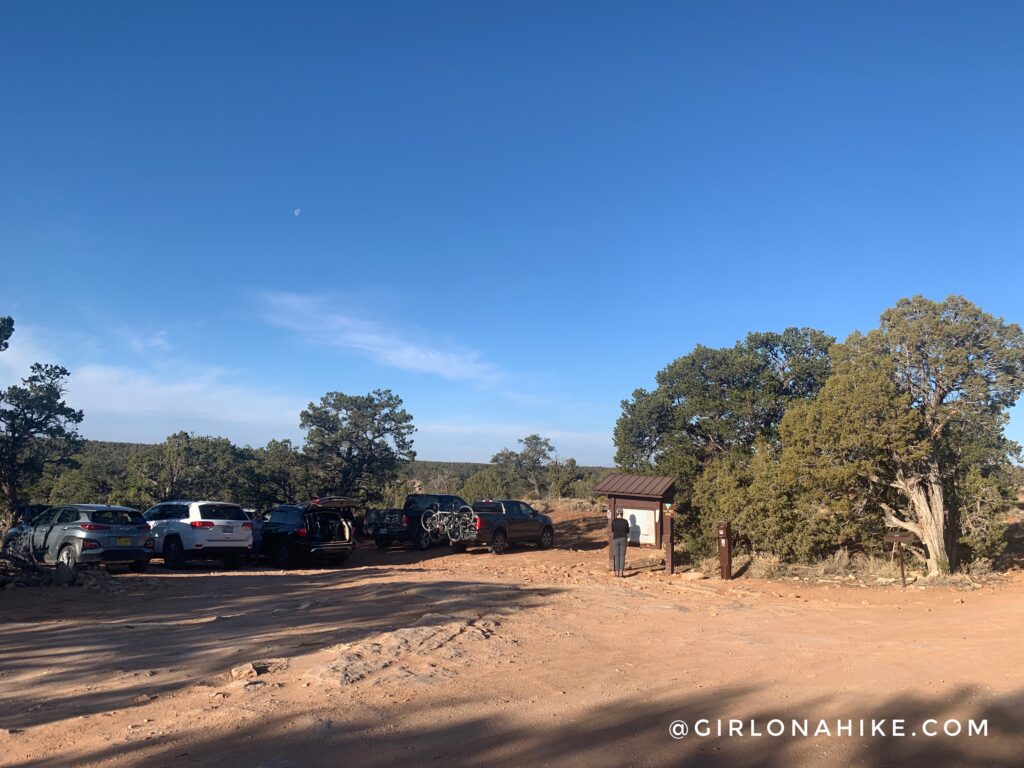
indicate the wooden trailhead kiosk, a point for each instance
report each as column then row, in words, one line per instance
column 646, row 504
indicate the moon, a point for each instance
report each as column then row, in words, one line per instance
column 297, row 211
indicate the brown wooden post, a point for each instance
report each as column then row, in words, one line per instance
column 725, row 549
column 903, row 575
column 666, row 527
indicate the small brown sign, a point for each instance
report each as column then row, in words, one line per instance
column 899, row 538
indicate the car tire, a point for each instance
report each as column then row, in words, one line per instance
column 139, row 566
column 174, row 554
column 67, row 565
column 423, row 541
column 382, row 542
column 499, row 543
column 283, row 557
column 457, row 546
column 547, row 538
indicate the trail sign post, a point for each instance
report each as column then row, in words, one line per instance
column 646, row 503
column 899, row 540
column 725, row 549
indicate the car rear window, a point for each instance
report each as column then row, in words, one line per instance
column 487, row 506
column 420, row 502
column 286, row 516
column 221, row 512
column 117, row 517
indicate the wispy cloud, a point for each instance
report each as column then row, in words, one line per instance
column 145, row 404
column 317, row 322
column 478, row 441
column 194, row 396
column 143, row 341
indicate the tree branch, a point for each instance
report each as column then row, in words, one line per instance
column 896, row 522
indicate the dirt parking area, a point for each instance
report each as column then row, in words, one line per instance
column 532, row 658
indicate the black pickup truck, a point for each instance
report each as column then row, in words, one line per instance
column 405, row 525
column 499, row 523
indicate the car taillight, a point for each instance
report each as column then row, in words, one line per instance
column 148, row 544
column 89, row 543
column 405, row 521
column 300, row 532
column 95, row 527
column 247, row 526
column 478, row 524
column 201, row 523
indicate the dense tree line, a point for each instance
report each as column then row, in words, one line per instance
column 193, row 466
column 809, row 446
column 355, row 445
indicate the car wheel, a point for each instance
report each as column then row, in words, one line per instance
column 423, row 541
column 283, row 557
column 383, row 542
column 457, row 546
column 67, row 565
column 174, row 554
column 547, row 538
column 139, row 566
column 499, row 543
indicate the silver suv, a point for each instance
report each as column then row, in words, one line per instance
column 200, row 530
column 75, row 534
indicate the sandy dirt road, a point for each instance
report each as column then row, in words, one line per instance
column 533, row 658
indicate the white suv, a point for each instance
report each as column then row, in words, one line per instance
column 200, row 530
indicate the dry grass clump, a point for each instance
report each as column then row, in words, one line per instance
column 981, row 567
column 836, row 564
column 708, row 565
column 861, row 565
column 765, row 567
column 879, row 567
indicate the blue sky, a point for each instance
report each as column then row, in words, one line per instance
column 512, row 214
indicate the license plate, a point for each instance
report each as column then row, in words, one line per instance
column 229, row 528
column 124, row 541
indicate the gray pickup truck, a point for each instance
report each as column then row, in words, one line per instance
column 500, row 523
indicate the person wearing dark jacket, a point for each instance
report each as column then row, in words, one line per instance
column 620, row 540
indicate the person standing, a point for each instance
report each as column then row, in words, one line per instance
column 620, row 540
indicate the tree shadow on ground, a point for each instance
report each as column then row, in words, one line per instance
column 626, row 731
column 187, row 627
column 585, row 533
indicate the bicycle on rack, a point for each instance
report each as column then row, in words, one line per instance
column 456, row 524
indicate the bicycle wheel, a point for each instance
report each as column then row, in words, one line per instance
column 429, row 521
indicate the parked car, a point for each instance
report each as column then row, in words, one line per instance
column 405, row 525
column 200, row 530
column 323, row 529
column 500, row 523
column 84, row 534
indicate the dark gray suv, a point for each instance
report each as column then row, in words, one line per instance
column 75, row 534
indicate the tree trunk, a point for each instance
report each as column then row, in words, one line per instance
column 928, row 502
column 10, row 492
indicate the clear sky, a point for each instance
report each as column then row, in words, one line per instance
column 510, row 213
